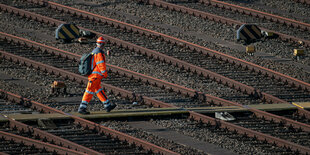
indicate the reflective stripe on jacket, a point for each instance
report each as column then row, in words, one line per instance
column 98, row 64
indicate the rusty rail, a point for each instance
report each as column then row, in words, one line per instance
column 204, row 50
column 195, row 69
column 183, row 90
column 147, row 100
column 259, row 14
column 151, row 80
column 194, row 115
column 83, row 122
column 250, row 133
column 263, row 114
column 220, row 19
column 225, row 57
column 45, row 135
column 38, row 144
column 95, row 126
column 133, row 47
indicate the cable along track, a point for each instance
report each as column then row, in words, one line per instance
column 287, row 92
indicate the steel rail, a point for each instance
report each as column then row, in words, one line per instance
column 249, row 132
column 47, row 136
column 198, row 117
column 157, row 82
column 38, row 144
column 232, row 127
column 201, row 118
column 259, row 14
column 173, row 40
column 113, row 68
column 210, row 98
column 181, row 64
column 220, row 19
column 225, row 57
column 86, row 123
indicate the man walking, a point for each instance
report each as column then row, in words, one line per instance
column 98, row 67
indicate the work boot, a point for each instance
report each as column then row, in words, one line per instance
column 82, row 110
column 109, row 106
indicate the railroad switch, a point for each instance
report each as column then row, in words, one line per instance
column 224, row 116
column 250, row 50
column 299, row 53
column 57, row 86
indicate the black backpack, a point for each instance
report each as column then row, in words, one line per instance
column 85, row 64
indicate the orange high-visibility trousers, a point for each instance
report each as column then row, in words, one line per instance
column 94, row 87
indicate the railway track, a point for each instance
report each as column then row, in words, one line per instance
column 9, row 146
column 251, row 121
column 232, row 93
column 72, row 127
column 287, row 9
column 251, row 91
column 227, row 17
column 115, row 79
column 195, row 115
column 65, row 128
column 224, row 123
column 211, row 34
column 261, row 14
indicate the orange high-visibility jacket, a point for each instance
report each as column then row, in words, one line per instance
column 98, row 64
